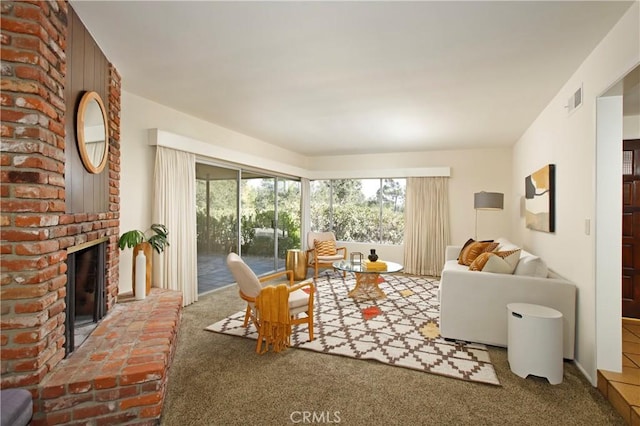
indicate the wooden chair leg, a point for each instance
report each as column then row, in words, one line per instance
column 247, row 315
column 310, row 329
column 259, row 344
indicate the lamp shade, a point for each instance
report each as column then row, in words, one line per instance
column 488, row 201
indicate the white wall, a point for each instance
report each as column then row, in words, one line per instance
column 631, row 127
column 136, row 179
column 569, row 141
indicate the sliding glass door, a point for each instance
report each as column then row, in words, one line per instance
column 269, row 225
column 288, row 198
column 217, row 223
column 258, row 225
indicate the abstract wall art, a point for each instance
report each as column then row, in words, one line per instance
column 540, row 199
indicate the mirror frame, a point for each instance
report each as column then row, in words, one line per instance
column 84, row 155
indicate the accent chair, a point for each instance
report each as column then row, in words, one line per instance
column 323, row 250
column 300, row 302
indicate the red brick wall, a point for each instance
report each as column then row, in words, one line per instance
column 113, row 228
column 35, row 230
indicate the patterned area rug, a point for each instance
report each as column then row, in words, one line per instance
column 401, row 329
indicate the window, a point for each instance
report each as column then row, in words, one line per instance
column 362, row 210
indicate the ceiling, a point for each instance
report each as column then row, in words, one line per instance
column 329, row 78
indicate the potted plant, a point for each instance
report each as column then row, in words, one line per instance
column 154, row 238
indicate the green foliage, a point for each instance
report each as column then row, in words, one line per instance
column 158, row 238
column 357, row 212
column 392, row 194
column 216, row 234
column 355, row 216
column 347, row 191
column 217, row 224
column 130, row 239
column 353, row 208
column 247, row 231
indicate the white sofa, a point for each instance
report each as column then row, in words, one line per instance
column 473, row 304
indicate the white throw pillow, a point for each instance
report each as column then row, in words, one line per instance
column 499, row 265
column 532, row 266
column 505, row 245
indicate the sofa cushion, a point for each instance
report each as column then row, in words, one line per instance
column 471, row 240
column 453, row 265
column 473, row 250
column 505, row 245
column 532, row 266
column 479, row 262
column 503, row 262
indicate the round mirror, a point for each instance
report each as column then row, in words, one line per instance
column 93, row 132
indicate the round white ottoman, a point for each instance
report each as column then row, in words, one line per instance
column 534, row 342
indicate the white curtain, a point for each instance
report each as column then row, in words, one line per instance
column 175, row 206
column 305, row 201
column 426, row 232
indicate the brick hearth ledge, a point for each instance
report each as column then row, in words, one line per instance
column 119, row 374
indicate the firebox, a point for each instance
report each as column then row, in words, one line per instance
column 86, row 299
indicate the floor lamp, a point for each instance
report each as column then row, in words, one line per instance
column 487, row 201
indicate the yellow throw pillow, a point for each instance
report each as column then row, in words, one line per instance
column 475, row 249
column 480, row 261
column 325, row 248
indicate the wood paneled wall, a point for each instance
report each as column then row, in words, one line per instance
column 87, row 70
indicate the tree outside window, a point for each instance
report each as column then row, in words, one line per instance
column 361, row 210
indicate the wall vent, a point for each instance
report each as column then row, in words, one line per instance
column 575, row 100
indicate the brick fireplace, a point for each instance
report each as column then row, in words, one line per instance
column 38, row 225
column 50, row 204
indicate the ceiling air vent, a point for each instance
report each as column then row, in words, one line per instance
column 575, row 100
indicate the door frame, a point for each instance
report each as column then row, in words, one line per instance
column 608, row 234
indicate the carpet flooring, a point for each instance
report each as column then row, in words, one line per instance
column 217, row 379
column 400, row 329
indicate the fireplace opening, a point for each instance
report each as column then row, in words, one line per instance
column 86, row 301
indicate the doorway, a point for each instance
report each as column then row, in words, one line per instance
column 630, row 284
column 616, row 119
column 631, row 228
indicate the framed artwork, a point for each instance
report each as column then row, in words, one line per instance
column 539, row 189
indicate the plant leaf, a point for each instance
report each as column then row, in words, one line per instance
column 130, row 239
